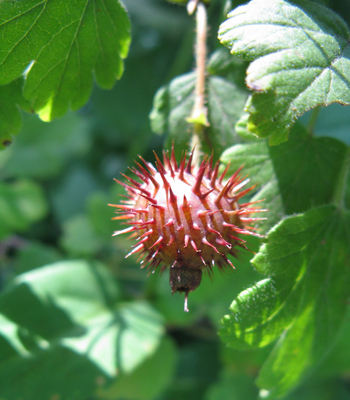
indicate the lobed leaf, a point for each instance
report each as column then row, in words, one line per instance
column 301, row 59
column 61, row 45
column 304, row 300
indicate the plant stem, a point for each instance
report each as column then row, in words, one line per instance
column 312, row 121
column 199, row 112
column 338, row 197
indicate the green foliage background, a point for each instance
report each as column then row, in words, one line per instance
column 78, row 320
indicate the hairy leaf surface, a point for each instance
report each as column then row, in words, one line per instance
column 301, row 59
column 303, row 302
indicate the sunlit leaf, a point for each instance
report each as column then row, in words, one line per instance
column 300, row 54
column 69, row 316
column 62, row 45
column 303, row 302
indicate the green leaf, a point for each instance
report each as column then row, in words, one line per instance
column 100, row 215
column 292, row 177
column 79, row 239
column 300, row 54
column 34, row 255
column 84, row 235
column 173, row 105
column 71, row 193
column 42, row 150
column 320, row 388
column 223, row 64
column 198, row 368
column 304, row 300
column 67, row 318
column 136, row 386
column 225, row 106
column 232, row 386
column 10, row 343
column 65, row 44
column 21, row 204
column 242, row 129
column 11, row 99
column 338, row 360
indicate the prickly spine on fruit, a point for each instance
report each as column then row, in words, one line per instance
column 185, row 217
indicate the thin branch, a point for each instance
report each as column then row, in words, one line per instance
column 199, row 112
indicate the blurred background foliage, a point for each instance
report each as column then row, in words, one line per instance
column 78, row 321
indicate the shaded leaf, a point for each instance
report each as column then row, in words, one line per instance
column 67, row 43
column 292, row 177
column 197, row 369
column 137, row 385
column 318, row 388
column 11, row 99
column 338, row 360
column 34, row 255
column 71, row 193
column 100, row 215
column 232, row 386
column 21, row 204
column 42, row 150
column 79, row 238
column 173, row 104
column 41, row 377
column 225, row 106
column 300, row 56
column 222, row 63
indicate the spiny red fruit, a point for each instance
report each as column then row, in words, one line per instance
column 185, row 217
